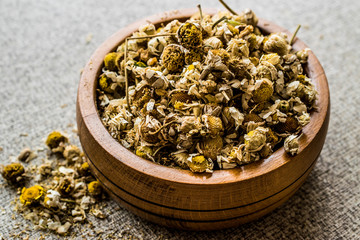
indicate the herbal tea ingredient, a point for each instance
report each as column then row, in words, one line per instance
column 60, row 192
column 210, row 93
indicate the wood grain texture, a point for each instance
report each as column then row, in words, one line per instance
column 180, row 198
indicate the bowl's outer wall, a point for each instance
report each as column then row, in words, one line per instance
column 180, row 198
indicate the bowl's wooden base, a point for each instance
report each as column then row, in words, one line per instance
column 198, row 220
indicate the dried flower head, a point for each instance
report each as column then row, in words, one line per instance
column 222, row 53
column 211, row 147
column 284, row 106
column 189, row 35
column 54, row 139
column 13, row 172
column 31, row 195
column 105, row 83
column 256, row 139
column 290, row 125
column 263, row 90
column 173, row 58
column 94, row 188
column 200, row 164
column 276, row 44
column 66, row 186
column 110, row 61
column 213, row 124
column 84, row 169
column 71, row 153
column 291, row 145
column 144, row 152
column 194, row 54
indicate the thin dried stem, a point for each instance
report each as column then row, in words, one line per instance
column 67, row 200
column 218, row 21
column 294, row 35
column 227, row 7
column 150, row 36
column 201, row 14
column 126, row 76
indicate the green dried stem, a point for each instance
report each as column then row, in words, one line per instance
column 227, row 7
column 201, row 14
column 294, row 35
column 219, row 21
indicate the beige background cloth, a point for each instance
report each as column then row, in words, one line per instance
column 43, row 47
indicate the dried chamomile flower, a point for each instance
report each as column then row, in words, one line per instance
column 213, row 42
column 13, row 172
column 105, row 83
column 290, row 125
column 110, row 61
column 213, row 124
column 156, row 45
column 252, row 117
column 303, row 55
column 199, row 163
column 238, row 48
column 190, row 124
column 180, row 97
column 239, row 68
column 84, row 169
column 250, row 17
column 271, row 137
column 304, row 119
column 283, row 106
column 263, row 90
column 145, row 152
column 211, row 147
column 256, row 139
column 276, row 44
column 222, row 53
column 233, row 117
column 272, row 58
column 194, row 54
column 291, row 145
column 189, row 35
column 143, row 95
column 149, row 29
column 66, row 186
column 266, row 70
column 180, row 157
column 173, row 58
column 71, row 153
column 54, row 139
column 31, row 195
column 94, row 188
column 149, row 129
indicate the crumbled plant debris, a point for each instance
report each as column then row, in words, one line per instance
column 58, row 193
column 214, row 92
column 26, row 155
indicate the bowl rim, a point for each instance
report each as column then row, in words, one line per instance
column 278, row 159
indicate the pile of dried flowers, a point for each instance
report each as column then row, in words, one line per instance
column 211, row 93
column 64, row 191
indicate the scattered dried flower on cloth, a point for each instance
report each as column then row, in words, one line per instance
column 217, row 95
column 65, row 191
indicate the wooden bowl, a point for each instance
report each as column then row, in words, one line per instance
column 179, row 198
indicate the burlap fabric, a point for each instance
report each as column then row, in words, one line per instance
column 44, row 44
